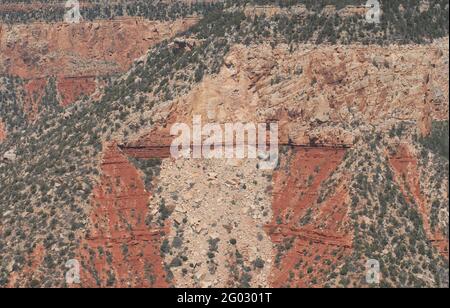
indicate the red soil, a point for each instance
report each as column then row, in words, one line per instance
column 29, row 271
column 72, row 88
column 131, row 249
column 322, row 243
column 404, row 164
column 34, row 90
column 2, row 131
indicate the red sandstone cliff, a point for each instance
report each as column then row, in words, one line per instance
column 78, row 53
column 121, row 250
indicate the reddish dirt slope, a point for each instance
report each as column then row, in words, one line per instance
column 34, row 90
column 2, row 131
column 296, row 190
column 405, row 167
column 121, row 250
column 72, row 88
column 29, row 271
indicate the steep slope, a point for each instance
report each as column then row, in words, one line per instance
column 333, row 203
column 63, row 196
column 78, row 58
column 388, row 226
column 311, row 234
column 121, row 249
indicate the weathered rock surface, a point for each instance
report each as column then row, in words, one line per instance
column 311, row 234
column 321, row 94
column 121, row 250
column 87, row 48
column 323, row 98
column 218, row 210
column 79, row 53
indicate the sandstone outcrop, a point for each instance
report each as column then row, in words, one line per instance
column 120, row 249
column 78, row 53
column 321, row 95
column 311, row 234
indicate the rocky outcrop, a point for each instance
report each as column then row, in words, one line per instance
column 311, row 232
column 88, row 48
column 302, row 10
column 322, row 94
column 78, row 53
column 121, row 250
column 183, row 44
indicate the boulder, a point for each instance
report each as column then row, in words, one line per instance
column 10, row 156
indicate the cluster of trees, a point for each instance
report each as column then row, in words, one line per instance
column 400, row 23
column 150, row 168
column 54, row 11
column 438, row 140
column 12, row 105
column 392, row 231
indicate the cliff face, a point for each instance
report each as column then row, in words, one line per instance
column 121, row 249
column 82, row 49
column 78, row 55
column 355, row 180
column 322, row 95
column 311, row 233
column 325, row 99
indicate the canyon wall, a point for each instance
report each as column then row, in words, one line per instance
column 227, row 223
column 121, row 249
column 79, row 56
column 324, row 100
